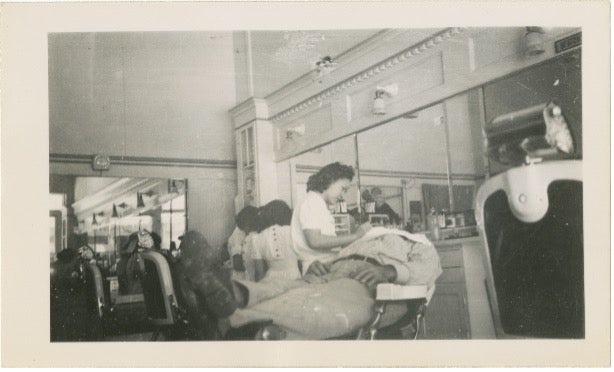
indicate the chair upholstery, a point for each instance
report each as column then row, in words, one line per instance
column 158, row 290
column 94, row 281
column 530, row 218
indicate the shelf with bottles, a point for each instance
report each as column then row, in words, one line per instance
column 342, row 224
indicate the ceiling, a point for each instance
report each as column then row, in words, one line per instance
column 280, row 57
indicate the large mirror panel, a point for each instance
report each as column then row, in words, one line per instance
column 103, row 212
column 398, row 160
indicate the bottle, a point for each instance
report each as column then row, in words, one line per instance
column 434, row 224
column 342, row 206
column 450, row 220
column 441, row 219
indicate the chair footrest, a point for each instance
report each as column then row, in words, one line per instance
column 397, row 292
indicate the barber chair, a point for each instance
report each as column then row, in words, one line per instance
column 95, row 286
column 416, row 299
column 168, row 312
column 78, row 306
column 530, row 218
column 161, row 304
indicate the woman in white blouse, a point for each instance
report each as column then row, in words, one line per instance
column 272, row 250
column 313, row 226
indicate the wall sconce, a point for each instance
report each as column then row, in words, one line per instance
column 323, row 67
column 379, row 105
column 534, row 41
column 149, row 193
column 295, row 131
column 177, row 186
column 100, row 214
column 115, row 214
column 139, row 200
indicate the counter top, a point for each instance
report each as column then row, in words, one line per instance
column 449, row 242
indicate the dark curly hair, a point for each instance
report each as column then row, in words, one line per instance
column 275, row 212
column 329, row 174
column 247, row 219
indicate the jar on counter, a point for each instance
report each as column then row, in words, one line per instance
column 450, row 220
column 460, row 219
column 441, row 219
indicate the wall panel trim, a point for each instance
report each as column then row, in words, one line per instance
column 145, row 161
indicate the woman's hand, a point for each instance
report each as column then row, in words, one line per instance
column 363, row 229
column 313, row 279
column 373, row 275
column 317, row 268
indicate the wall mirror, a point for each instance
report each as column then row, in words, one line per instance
column 102, row 212
column 434, row 159
column 399, row 159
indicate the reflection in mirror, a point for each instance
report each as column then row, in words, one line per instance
column 558, row 80
column 397, row 159
column 102, row 213
column 467, row 167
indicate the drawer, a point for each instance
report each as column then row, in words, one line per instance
column 452, row 275
column 451, row 257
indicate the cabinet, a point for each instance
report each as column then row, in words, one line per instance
column 246, row 166
column 447, row 315
column 256, row 166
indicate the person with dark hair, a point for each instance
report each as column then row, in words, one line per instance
column 272, row 251
column 313, row 225
column 381, row 207
column 247, row 223
column 128, row 266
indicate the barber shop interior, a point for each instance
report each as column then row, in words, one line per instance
column 341, row 184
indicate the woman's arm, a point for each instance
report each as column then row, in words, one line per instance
column 259, row 269
column 316, row 240
column 237, row 263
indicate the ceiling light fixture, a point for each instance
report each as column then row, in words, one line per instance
column 534, row 41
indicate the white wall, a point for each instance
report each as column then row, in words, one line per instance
column 154, row 94
column 149, row 95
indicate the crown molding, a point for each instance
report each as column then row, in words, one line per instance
column 366, row 74
column 248, row 111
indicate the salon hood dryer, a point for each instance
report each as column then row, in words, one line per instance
column 530, row 218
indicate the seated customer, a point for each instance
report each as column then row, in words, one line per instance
column 272, row 250
column 128, row 266
column 381, row 207
column 333, row 305
column 238, row 243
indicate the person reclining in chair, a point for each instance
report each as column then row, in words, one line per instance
column 331, row 305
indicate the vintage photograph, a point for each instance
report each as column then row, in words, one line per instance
column 333, row 184
column 305, row 184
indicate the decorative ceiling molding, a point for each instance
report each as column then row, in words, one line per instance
column 367, row 74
